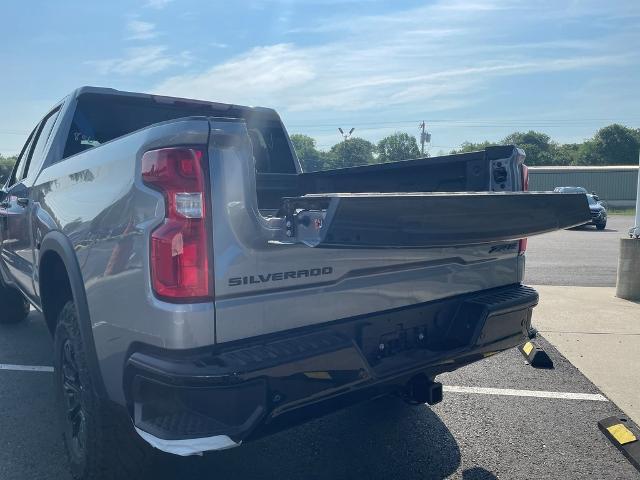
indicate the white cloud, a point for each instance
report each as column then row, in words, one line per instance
column 468, row 58
column 139, row 30
column 439, row 56
column 158, row 4
column 141, row 61
column 276, row 69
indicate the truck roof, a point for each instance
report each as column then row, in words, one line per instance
column 87, row 89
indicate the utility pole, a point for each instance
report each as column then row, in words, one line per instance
column 425, row 137
column 346, row 136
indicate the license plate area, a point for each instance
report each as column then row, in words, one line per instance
column 441, row 326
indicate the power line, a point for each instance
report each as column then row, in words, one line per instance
column 473, row 123
column 494, row 123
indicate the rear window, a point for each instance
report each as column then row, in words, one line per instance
column 101, row 118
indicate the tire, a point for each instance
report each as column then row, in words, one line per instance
column 99, row 438
column 14, row 307
column 601, row 226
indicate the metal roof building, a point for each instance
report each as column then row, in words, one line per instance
column 615, row 184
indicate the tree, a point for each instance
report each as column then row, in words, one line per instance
column 396, row 147
column 352, row 152
column 473, row 147
column 567, row 154
column 539, row 148
column 310, row 157
column 611, row 145
column 6, row 165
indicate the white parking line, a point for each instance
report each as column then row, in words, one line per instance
column 25, row 368
column 596, row 397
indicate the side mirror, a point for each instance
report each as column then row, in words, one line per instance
column 595, row 196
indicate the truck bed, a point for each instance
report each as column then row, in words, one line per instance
column 289, row 261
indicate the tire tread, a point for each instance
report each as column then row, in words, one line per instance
column 114, row 451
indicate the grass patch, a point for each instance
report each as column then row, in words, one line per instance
column 621, row 211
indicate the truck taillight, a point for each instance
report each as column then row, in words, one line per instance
column 522, row 247
column 179, row 246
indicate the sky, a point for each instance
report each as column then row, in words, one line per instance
column 471, row 69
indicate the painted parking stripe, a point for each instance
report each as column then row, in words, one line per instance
column 596, row 397
column 447, row 388
column 25, row 368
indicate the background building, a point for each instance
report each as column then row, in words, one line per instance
column 614, row 184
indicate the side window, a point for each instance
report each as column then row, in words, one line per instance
column 82, row 135
column 18, row 168
column 44, row 132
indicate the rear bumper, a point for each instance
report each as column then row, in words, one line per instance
column 193, row 401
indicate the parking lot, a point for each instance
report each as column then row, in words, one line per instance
column 582, row 257
column 485, row 428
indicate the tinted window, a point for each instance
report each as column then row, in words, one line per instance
column 101, row 118
column 18, row 169
column 43, row 135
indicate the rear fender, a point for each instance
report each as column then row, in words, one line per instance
column 57, row 242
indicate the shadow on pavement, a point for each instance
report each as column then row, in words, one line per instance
column 381, row 439
column 477, row 473
column 591, row 228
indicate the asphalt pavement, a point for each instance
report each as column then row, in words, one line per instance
column 580, row 257
column 485, row 428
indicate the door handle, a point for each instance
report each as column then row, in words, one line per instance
column 23, row 202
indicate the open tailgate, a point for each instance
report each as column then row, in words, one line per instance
column 429, row 219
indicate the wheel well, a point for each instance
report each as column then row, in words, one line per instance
column 55, row 288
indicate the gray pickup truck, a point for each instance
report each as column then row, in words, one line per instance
column 203, row 290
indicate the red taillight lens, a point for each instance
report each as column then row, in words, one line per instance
column 179, row 247
column 522, row 247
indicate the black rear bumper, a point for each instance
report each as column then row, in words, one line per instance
column 247, row 389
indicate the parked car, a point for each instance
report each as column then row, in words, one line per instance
column 598, row 212
column 570, row 190
column 597, row 207
column 575, row 190
column 203, row 290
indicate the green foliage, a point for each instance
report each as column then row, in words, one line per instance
column 611, row 145
column 6, row 165
column 353, row 152
column 310, row 157
column 567, row 154
column 472, row 147
column 396, row 147
column 538, row 146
